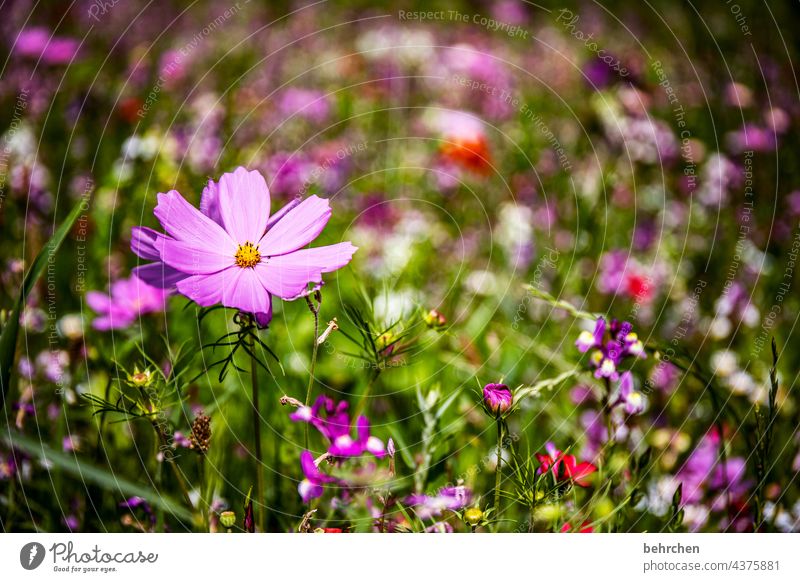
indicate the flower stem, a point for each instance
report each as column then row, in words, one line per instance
column 204, row 502
column 257, row 435
column 362, row 401
column 498, row 471
column 315, row 312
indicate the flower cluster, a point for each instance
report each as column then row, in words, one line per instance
column 610, row 345
column 450, row 498
column 333, row 422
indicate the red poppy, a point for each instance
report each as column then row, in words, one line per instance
column 565, row 467
column 585, row 527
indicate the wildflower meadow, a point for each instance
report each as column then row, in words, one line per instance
column 399, row 267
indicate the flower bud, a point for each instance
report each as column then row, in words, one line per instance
column 140, row 379
column 227, row 518
column 434, row 319
column 473, row 516
column 498, row 398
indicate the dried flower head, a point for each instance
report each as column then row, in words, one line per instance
column 200, row 437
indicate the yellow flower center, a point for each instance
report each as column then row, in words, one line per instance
column 247, row 256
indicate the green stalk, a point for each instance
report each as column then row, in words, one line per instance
column 362, row 401
column 162, row 438
column 314, row 349
column 498, row 471
column 257, row 436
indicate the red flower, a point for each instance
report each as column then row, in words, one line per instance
column 565, row 467
column 584, row 528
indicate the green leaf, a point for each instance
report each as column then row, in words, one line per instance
column 69, row 463
column 8, row 339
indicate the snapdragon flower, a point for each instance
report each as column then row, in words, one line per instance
column 606, row 356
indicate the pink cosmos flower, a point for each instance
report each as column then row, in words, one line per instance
column 232, row 252
column 129, row 298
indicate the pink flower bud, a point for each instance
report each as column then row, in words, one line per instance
column 498, row 398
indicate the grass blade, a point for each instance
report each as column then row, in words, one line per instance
column 92, row 474
column 8, row 339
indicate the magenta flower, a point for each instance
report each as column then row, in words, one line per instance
column 312, row 486
column 328, row 417
column 346, row 446
column 37, row 42
column 497, row 398
column 606, row 356
column 333, row 422
column 231, row 251
column 129, row 298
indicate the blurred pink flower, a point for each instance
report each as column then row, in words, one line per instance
column 128, row 299
column 309, row 104
column 38, row 42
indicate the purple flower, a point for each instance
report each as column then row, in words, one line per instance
column 306, row 103
column 588, row 340
column 129, row 298
column 633, row 401
column 54, row 365
column 606, row 356
column 328, row 417
column 312, row 486
column 497, row 398
column 244, row 257
column 345, row 446
column 134, row 503
column 704, row 471
column 71, row 522
column 448, row 498
column 752, row 137
column 333, row 422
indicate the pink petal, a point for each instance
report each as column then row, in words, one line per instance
column 194, row 258
column 209, row 202
column 625, row 385
column 97, row 301
column 309, row 490
column 282, row 212
column 185, row 222
column 362, row 429
column 159, row 275
column 288, row 276
column 299, row 227
column 244, row 205
column 233, row 287
column 143, row 243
